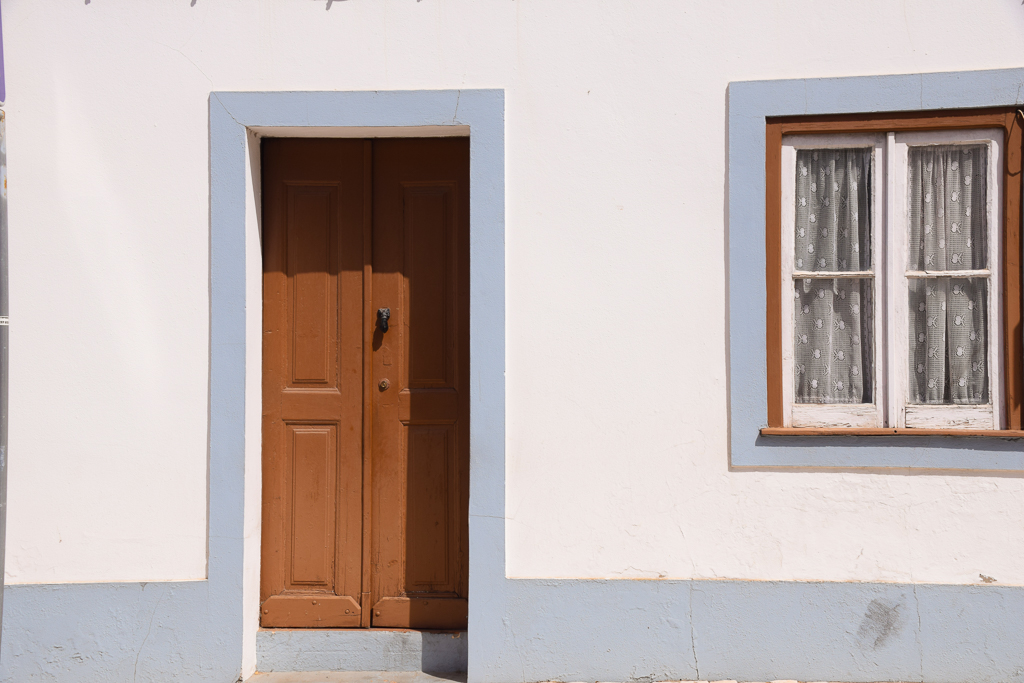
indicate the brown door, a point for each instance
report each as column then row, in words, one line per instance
column 420, row 422
column 365, row 431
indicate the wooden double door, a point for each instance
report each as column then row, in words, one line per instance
column 365, row 383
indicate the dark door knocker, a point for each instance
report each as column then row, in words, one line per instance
column 383, row 315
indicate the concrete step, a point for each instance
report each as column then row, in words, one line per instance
column 355, row 677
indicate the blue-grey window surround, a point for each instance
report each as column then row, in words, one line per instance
column 750, row 103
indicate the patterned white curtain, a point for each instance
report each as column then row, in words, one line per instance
column 948, row 315
column 833, row 317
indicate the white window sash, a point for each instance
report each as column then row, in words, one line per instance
column 863, row 415
column 901, row 412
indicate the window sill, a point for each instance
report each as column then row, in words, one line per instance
column 860, row 431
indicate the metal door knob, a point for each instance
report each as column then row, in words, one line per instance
column 383, row 315
column 384, row 384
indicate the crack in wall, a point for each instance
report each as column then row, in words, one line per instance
column 920, row 649
column 693, row 639
column 149, row 629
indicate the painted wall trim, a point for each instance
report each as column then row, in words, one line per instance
column 477, row 113
column 560, row 630
column 749, row 103
column 480, row 113
column 119, row 632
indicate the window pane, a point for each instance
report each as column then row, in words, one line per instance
column 948, row 207
column 833, row 209
column 948, row 340
column 833, row 342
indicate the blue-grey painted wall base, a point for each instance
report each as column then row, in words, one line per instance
column 565, row 630
column 530, row 630
column 749, row 103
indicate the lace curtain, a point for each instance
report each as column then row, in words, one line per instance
column 833, row 317
column 948, row 315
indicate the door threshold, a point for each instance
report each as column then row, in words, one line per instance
column 359, row 651
column 355, row 677
column 454, row 632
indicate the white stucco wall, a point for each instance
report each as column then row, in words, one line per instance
column 615, row 148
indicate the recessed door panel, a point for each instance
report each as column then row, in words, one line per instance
column 429, row 272
column 312, row 490
column 311, row 226
column 429, row 492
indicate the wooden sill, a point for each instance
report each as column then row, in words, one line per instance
column 861, row 431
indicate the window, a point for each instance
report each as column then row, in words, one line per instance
column 894, row 273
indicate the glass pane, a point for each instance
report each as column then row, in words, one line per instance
column 948, row 340
column 833, row 209
column 948, row 207
column 833, row 345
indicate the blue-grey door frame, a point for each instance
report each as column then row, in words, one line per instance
column 231, row 113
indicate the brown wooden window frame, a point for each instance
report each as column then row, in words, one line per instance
column 1009, row 120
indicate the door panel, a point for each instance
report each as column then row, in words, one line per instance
column 426, row 613
column 313, row 215
column 430, row 281
column 313, row 308
column 429, row 493
column 312, row 454
column 420, row 422
column 365, row 482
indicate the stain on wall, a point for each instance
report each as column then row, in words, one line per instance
column 882, row 620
